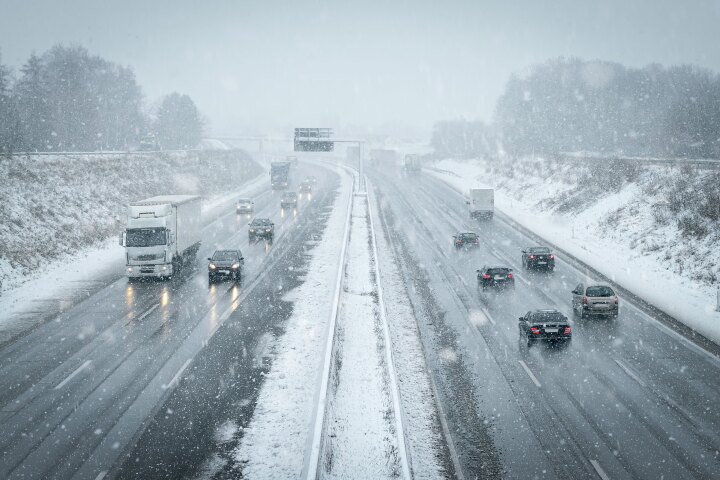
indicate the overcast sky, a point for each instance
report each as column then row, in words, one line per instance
column 266, row 65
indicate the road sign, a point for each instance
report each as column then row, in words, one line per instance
column 314, row 140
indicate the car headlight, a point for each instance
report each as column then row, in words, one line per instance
column 235, row 265
column 130, row 269
column 211, row 266
column 267, row 230
column 252, row 230
column 164, row 267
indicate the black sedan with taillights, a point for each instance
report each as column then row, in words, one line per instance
column 495, row 277
column 537, row 258
column 466, row 240
column 544, row 326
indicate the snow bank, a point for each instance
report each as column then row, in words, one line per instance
column 624, row 230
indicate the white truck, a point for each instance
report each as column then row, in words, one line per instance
column 481, row 203
column 162, row 234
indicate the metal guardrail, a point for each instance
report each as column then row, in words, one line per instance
column 659, row 161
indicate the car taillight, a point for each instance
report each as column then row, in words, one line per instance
column 551, row 257
column 585, row 301
column 535, row 330
column 615, row 299
column 532, row 257
column 486, row 277
column 477, row 240
column 509, row 275
column 567, row 331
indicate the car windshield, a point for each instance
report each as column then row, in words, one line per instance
column 468, row 236
column 145, row 237
column 539, row 250
column 244, row 200
column 547, row 317
column 260, row 222
column 290, row 196
column 599, row 291
column 498, row 271
column 225, row 255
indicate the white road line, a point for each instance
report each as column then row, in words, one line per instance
column 530, row 374
column 487, row 315
column 101, row 475
column 601, row 473
column 177, row 375
column 72, row 375
column 462, row 280
column 630, row 373
column 148, row 312
column 442, row 252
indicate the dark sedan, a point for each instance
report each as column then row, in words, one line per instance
column 544, row 326
column 261, row 228
column 537, row 258
column 495, row 277
column 225, row 264
column 466, row 240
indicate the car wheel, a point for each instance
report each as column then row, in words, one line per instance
column 211, row 279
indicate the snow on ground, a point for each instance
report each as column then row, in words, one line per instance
column 359, row 438
column 273, row 445
column 626, row 230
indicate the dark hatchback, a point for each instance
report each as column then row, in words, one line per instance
column 466, row 240
column 495, row 277
column 538, row 258
column 225, row 264
column 544, row 326
column 261, row 228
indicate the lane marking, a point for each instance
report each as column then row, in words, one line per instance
column 148, row 312
column 101, row 475
column 462, row 279
column 487, row 315
column 72, row 375
column 630, row 373
column 530, row 373
column 601, row 473
column 442, row 252
column 177, row 375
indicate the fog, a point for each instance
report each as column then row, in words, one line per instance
column 267, row 66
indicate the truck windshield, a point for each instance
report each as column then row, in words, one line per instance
column 145, row 237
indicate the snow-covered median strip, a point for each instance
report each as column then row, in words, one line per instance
column 647, row 277
column 273, row 445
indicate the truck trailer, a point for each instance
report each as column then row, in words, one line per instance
column 482, row 203
column 412, row 164
column 162, row 234
column 280, row 175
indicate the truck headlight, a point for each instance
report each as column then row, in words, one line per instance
column 211, row 266
column 129, row 269
column 252, row 230
column 235, row 266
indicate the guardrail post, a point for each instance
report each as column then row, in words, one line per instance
column 717, row 300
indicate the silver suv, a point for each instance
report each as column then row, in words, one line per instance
column 596, row 299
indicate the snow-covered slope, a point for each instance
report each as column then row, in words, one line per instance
column 650, row 229
column 52, row 207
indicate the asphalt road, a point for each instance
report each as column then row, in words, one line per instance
column 628, row 399
column 77, row 391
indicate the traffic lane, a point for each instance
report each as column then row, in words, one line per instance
column 456, row 349
column 221, row 387
column 629, row 393
column 167, row 317
column 672, row 367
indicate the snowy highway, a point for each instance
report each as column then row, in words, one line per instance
column 418, row 375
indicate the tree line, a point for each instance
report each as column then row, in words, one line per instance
column 571, row 105
column 69, row 100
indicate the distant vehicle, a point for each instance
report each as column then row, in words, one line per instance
column 495, row 277
column 292, row 160
column 538, row 258
column 289, row 200
column 465, row 240
column 244, row 206
column 261, row 228
column 225, row 263
column 305, row 187
column 412, row 164
column 482, row 203
column 279, row 175
column 162, row 234
column 544, row 326
column 312, row 179
column 595, row 299
column 149, row 143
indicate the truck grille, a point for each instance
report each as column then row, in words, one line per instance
column 149, row 256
